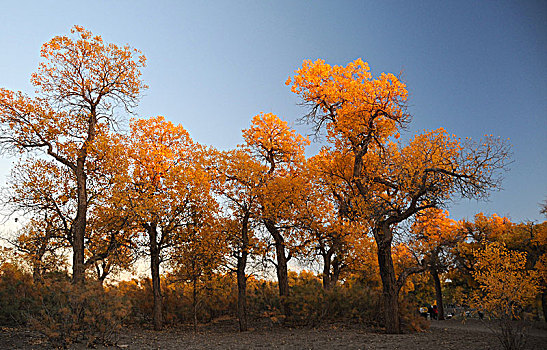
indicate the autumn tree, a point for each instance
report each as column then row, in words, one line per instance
column 505, row 288
column 238, row 182
column 44, row 193
column 167, row 191
column 531, row 238
column 41, row 245
column 390, row 182
column 330, row 235
column 281, row 150
column 540, row 264
column 477, row 233
column 78, row 85
column 198, row 253
column 38, row 191
column 434, row 238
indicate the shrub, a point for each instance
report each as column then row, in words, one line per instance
column 18, row 295
column 72, row 313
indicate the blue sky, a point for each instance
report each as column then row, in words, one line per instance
column 471, row 67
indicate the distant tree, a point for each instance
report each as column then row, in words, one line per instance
column 239, row 180
column 166, row 191
column 506, row 287
column 281, row 150
column 434, row 238
column 198, row 253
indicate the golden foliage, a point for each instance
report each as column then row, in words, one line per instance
column 506, row 287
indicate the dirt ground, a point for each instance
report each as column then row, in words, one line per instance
column 450, row 334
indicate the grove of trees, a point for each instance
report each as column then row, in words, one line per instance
column 95, row 198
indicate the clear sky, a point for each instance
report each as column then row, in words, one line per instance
column 472, row 67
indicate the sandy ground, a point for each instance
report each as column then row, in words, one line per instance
column 450, row 334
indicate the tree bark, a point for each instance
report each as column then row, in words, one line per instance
column 281, row 267
column 36, row 273
column 242, row 293
column 79, row 225
column 195, row 304
column 241, row 278
column 326, row 271
column 80, row 222
column 390, row 291
column 155, row 272
column 438, row 292
column 336, row 269
column 544, row 304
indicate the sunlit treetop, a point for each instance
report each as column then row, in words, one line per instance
column 352, row 104
column 85, row 68
column 78, row 85
column 273, row 141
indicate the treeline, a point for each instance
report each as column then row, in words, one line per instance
column 97, row 199
column 455, row 254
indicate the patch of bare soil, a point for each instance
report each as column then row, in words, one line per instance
column 450, row 334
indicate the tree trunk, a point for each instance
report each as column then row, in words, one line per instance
column 241, row 278
column 79, row 225
column 36, row 273
column 438, row 292
column 326, row 272
column 195, row 304
column 281, row 267
column 282, row 277
column 336, row 268
column 544, row 304
column 390, row 292
column 242, row 293
column 155, row 272
column 80, row 222
column 329, row 277
column 37, row 264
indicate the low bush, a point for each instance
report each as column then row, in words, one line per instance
column 74, row 313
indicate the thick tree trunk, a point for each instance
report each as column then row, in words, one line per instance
column 36, row 273
column 438, row 292
column 282, row 277
column 155, row 272
column 241, row 278
column 390, row 291
column 327, row 281
column 336, row 268
column 80, row 222
column 544, row 304
column 79, row 225
column 242, row 293
column 281, row 267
